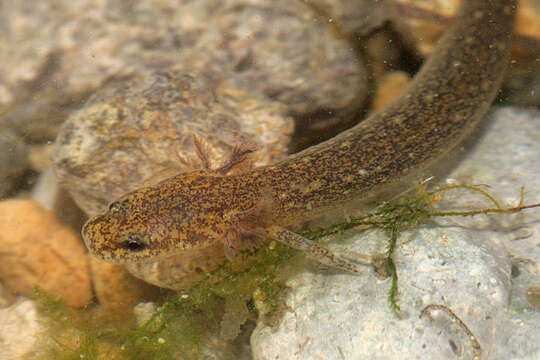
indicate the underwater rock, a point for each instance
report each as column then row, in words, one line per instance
column 36, row 250
column 52, row 197
column 479, row 268
column 62, row 51
column 282, row 49
column 12, row 160
column 389, row 88
column 423, row 22
column 132, row 134
column 350, row 315
column 19, row 328
column 352, row 17
column 40, row 156
column 116, row 290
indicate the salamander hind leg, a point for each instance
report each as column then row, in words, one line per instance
column 315, row 251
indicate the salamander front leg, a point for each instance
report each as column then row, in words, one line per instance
column 315, row 251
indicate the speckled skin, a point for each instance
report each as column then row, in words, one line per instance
column 195, row 210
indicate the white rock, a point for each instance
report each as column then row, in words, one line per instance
column 18, row 330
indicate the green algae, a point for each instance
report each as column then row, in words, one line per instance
column 185, row 325
column 67, row 333
column 410, row 211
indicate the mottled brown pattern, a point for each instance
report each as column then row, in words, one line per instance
column 445, row 101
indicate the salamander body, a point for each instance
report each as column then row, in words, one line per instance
column 197, row 210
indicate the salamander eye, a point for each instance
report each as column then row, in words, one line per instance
column 134, row 242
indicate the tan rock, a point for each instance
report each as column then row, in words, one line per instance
column 142, row 139
column 425, row 21
column 6, row 297
column 36, row 250
column 389, row 88
column 117, row 290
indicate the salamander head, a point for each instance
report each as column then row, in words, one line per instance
column 180, row 213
